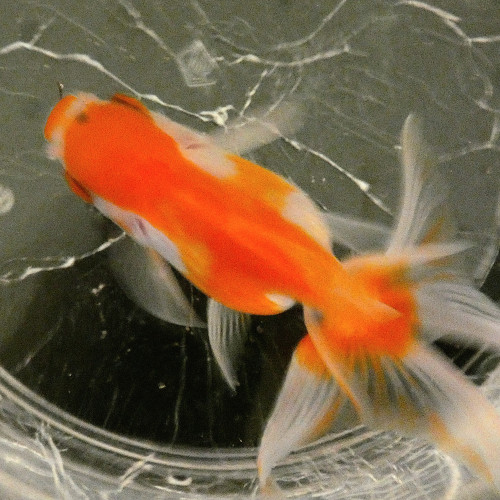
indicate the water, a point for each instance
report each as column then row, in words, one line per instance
column 102, row 400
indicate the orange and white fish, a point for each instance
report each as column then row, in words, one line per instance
column 256, row 244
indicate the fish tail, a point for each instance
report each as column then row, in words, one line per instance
column 389, row 370
column 380, row 362
column 381, row 365
column 413, row 390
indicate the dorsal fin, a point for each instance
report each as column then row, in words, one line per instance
column 130, row 102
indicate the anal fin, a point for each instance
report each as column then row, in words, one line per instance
column 227, row 333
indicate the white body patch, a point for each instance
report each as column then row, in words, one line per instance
column 300, row 210
column 197, row 148
column 143, row 232
column 282, row 301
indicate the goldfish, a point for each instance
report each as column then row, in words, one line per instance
column 255, row 243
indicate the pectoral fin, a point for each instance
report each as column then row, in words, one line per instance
column 260, row 127
column 149, row 281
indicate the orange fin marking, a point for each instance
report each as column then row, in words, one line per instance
column 307, row 356
column 434, row 232
column 440, row 433
column 326, row 423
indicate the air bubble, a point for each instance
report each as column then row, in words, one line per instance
column 6, row 199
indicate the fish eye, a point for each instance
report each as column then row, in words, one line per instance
column 82, row 117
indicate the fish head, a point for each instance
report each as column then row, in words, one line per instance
column 69, row 109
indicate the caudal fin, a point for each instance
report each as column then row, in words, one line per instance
column 386, row 368
column 421, row 394
column 423, row 214
column 305, row 409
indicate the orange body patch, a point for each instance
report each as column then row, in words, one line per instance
column 389, row 335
